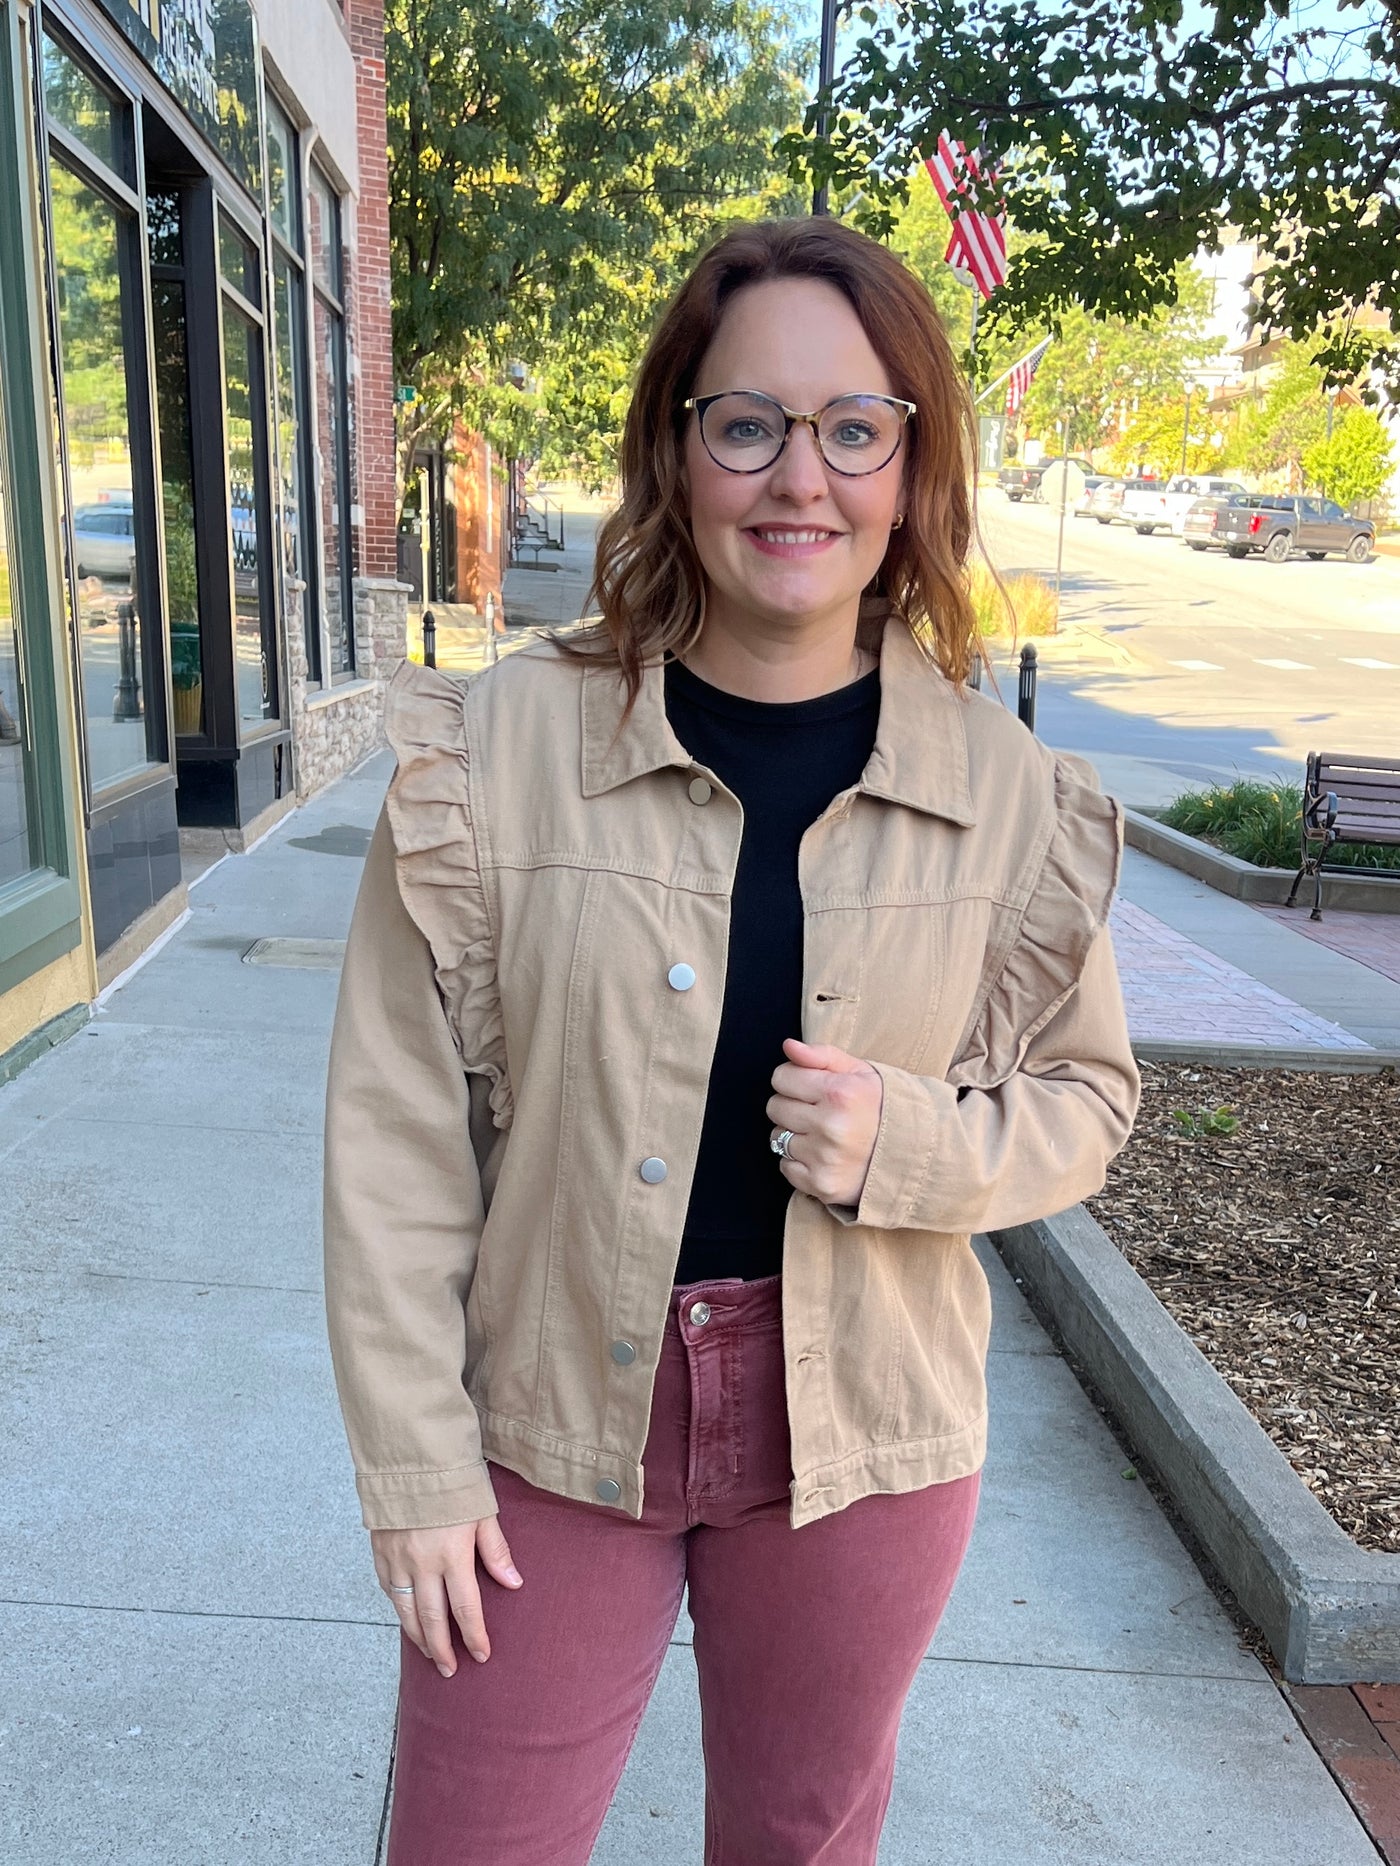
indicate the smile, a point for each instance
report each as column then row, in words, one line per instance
column 787, row 541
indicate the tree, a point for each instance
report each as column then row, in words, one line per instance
column 1290, row 417
column 1103, row 373
column 542, row 157
column 1129, row 133
column 1355, row 463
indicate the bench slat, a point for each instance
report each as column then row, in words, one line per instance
column 1337, row 761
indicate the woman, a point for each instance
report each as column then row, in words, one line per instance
column 712, row 980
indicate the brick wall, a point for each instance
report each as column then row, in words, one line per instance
column 372, row 334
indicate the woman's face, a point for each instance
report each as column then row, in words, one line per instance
column 800, row 342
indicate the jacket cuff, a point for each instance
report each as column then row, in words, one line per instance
column 426, row 1499
column 911, row 1109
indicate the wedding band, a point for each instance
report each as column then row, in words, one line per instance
column 399, row 1590
column 781, row 1142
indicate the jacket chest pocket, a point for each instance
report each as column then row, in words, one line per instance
column 877, row 983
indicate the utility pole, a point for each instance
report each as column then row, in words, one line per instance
column 825, row 73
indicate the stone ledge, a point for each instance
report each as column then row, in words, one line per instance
column 1244, row 881
column 317, row 699
column 1329, row 1610
column 1264, row 1055
column 39, row 1042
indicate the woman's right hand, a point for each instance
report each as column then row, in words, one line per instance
column 440, row 1566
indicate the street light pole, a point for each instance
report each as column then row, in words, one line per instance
column 825, row 73
column 1186, row 425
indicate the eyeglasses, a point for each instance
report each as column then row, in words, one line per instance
column 744, row 432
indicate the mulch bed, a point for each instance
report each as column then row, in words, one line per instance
column 1277, row 1248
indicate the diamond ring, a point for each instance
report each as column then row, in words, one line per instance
column 780, row 1143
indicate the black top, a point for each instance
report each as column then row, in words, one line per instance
column 785, row 762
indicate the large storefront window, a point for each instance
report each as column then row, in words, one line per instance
column 16, row 840
column 94, row 275
column 295, row 490
column 245, row 426
column 333, row 420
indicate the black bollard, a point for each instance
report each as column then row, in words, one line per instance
column 1025, row 698
column 429, row 639
column 126, row 701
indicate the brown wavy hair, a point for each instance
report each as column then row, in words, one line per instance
column 648, row 585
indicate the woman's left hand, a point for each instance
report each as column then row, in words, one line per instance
column 831, row 1102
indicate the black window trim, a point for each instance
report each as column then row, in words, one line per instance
column 335, row 304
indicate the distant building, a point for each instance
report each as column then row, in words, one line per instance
column 199, row 593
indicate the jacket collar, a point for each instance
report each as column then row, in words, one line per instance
column 920, row 755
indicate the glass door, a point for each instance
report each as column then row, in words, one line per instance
column 110, row 520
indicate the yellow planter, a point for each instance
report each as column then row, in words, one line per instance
column 188, row 708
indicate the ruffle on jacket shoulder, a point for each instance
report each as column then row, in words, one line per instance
column 1068, row 903
column 435, row 857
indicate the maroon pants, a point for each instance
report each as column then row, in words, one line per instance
column 806, row 1641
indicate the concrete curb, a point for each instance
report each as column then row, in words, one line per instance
column 1244, row 881
column 1263, row 1056
column 39, row 1042
column 1329, row 1610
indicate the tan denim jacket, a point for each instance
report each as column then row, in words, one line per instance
column 509, row 1056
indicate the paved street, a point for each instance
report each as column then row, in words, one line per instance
column 1200, row 666
column 201, row 1666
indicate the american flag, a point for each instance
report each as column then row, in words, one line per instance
column 1023, row 375
column 969, row 198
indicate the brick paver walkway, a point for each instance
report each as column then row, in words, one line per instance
column 1176, row 990
column 1371, row 939
column 1356, row 1730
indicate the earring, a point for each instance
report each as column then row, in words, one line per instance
column 898, row 521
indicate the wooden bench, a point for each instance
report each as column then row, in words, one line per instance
column 1346, row 800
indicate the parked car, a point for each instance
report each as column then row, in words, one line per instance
column 1276, row 526
column 1084, row 503
column 1108, row 502
column 1023, row 482
column 104, row 538
column 1166, row 509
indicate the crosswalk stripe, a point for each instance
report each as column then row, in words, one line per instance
column 1200, row 667
column 1290, row 666
column 1364, row 660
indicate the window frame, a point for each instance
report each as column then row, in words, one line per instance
column 41, row 911
column 289, row 250
column 334, row 305
column 126, row 197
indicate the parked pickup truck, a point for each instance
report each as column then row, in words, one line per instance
column 1278, row 526
column 1165, row 507
column 1023, row 482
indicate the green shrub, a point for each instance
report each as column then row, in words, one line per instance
column 1261, row 823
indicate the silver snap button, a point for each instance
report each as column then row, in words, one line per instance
column 607, row 1490
column 699, row 1313
column 681, row 977
column 653, row 1170
column 701, row 790
column 623, row 1353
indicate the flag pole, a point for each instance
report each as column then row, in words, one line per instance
column 1006, row 374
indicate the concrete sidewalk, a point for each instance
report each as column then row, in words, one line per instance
column 200, row 1666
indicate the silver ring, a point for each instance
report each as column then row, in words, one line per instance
column 781, row 1142
column 400, row 1590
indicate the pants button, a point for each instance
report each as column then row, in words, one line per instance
column 699, row 1313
